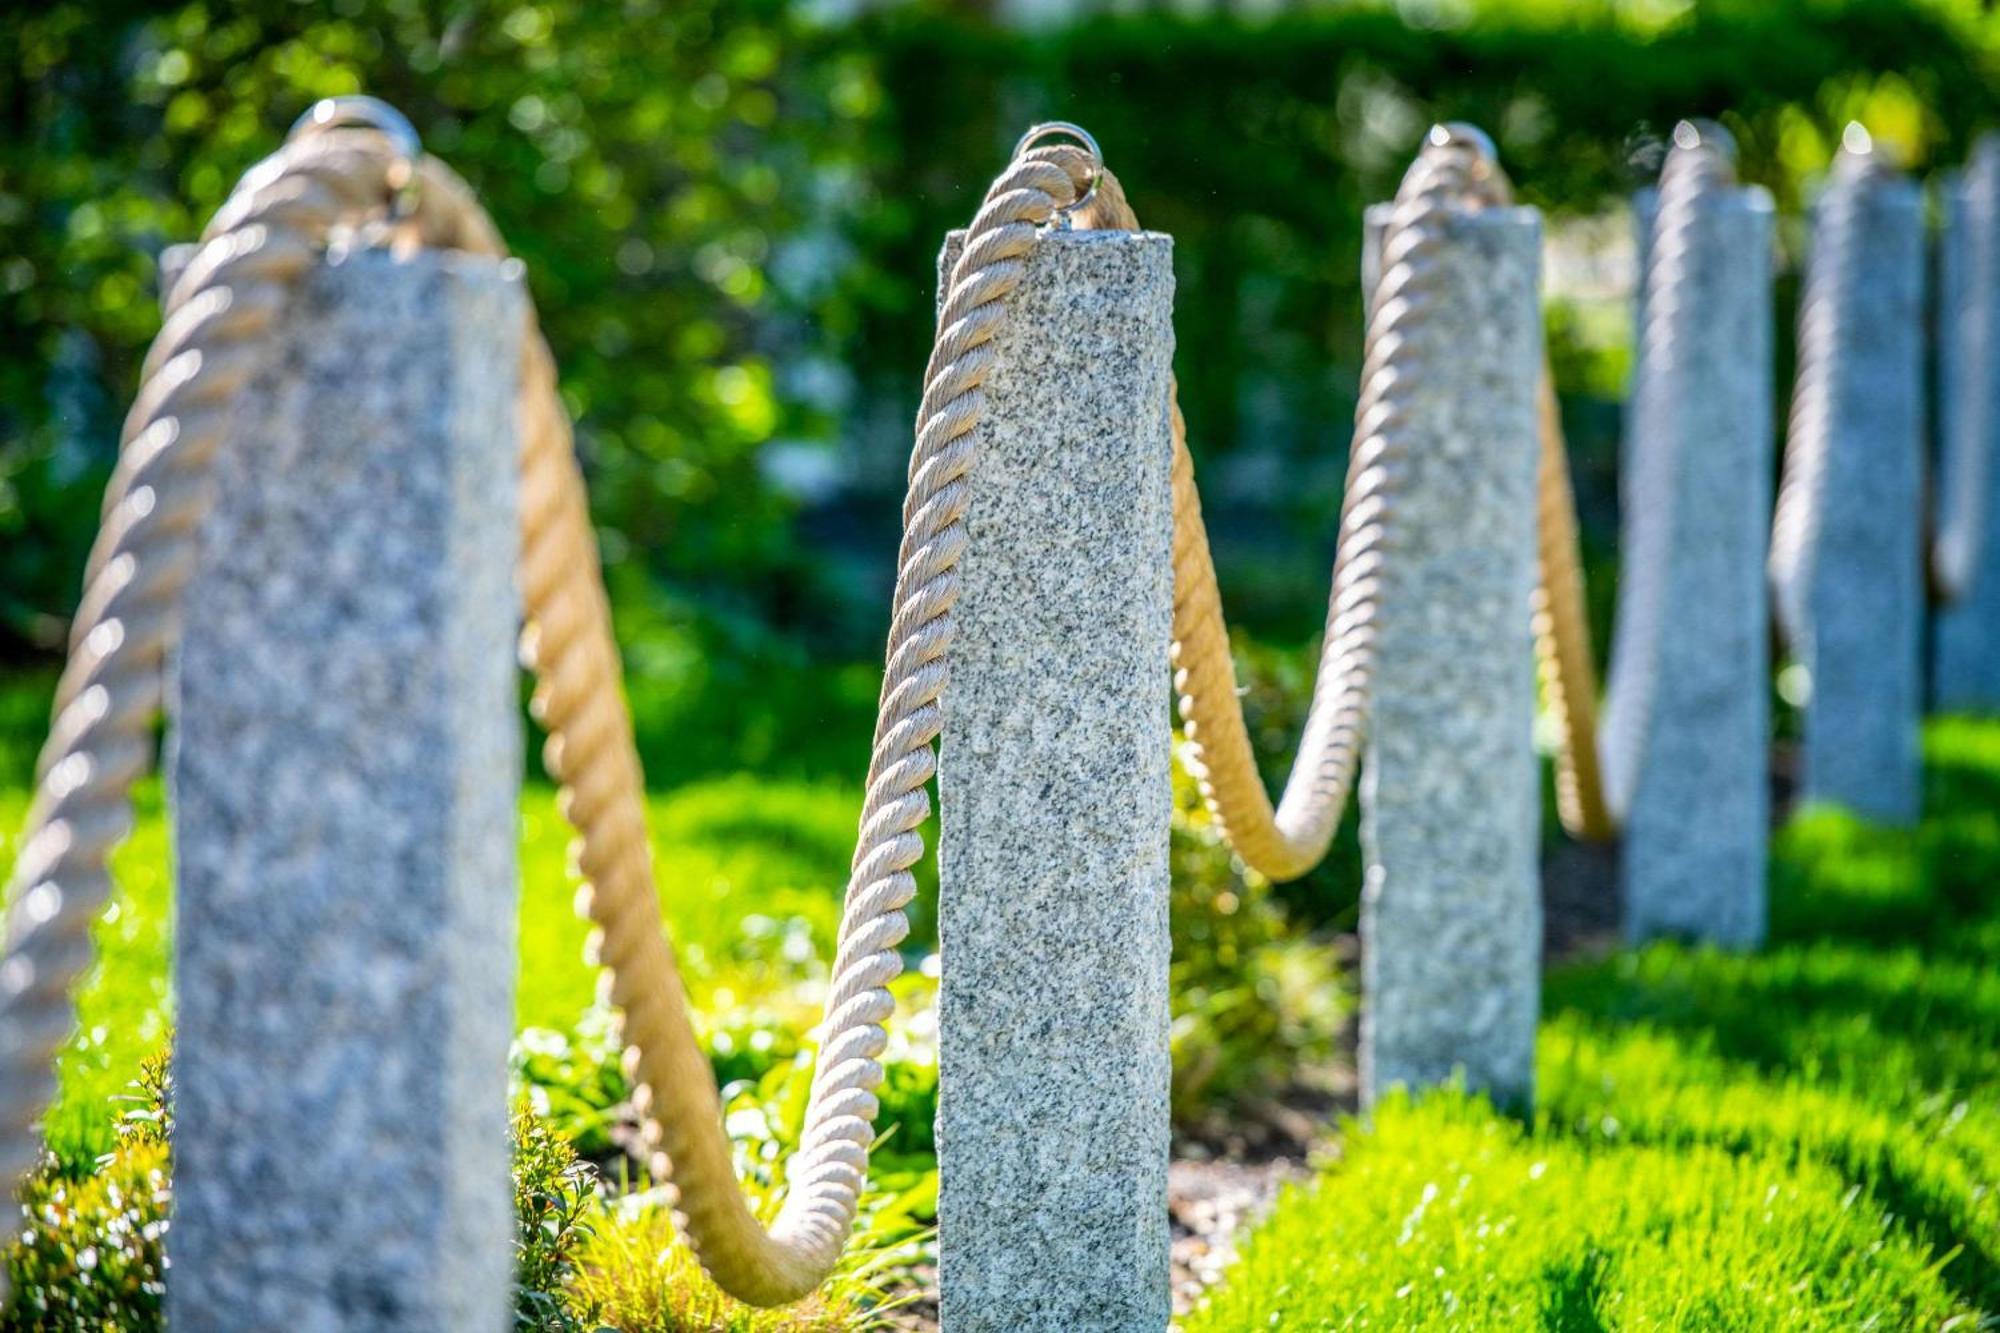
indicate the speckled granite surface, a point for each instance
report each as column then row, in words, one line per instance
column 1052, row 1116
column 345, row 764
column 1862, row 575
column 1451, row 904
column 1687, row 711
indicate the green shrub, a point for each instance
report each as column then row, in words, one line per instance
column 1258, row 1004
column 90, row 1251
column 554, row 1199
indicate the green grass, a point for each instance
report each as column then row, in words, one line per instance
column 749, row 873
column 1807, row 1137
column 1804, row 1138
column 750, row 870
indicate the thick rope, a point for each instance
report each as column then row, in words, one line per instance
column 1287, row 842
column 827, row 1175
column 1561, row 619
column 1957, row 519
column 1456, row 169
column 328, row 184
column 1700, row 164
column 1802, row 480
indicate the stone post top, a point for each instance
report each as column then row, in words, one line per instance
column 1505, row 215
column 1735, row 199
column 1112, row 258
column 1880, row 180
column 1985, row 154
column 1745, row 199
column 461, row 264
column 1073, row 241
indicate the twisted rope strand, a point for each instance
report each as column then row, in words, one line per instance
column 341, row 186
column 1802, row 479
column 100, row 740
column 1456, row 169
column 1561, row 623
column 1699, row 166
column 1286, row 842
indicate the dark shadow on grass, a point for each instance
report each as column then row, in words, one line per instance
column 1850, row 907
column 1573, row 1291
column 1780, row 1024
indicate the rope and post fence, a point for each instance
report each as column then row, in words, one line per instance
column 1687, row 718
column 1847, row 541
column 1055, row 795
column 348, row 475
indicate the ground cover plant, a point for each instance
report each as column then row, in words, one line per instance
column 1808, row 1137
column 90, row 1250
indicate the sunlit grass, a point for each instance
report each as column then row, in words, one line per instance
column 1804, row 1138
column 1446, row 1215
column 750, row 876
column 633, row 1271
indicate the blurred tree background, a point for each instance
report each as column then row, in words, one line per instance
column 730, row 211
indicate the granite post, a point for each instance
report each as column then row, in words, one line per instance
column 1052, row 1010
column 1687, row 713
column 1966, row 643
column 1848, row 547
column 344, row 770
column 1451, row 917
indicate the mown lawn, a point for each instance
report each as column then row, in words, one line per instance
column 1805, row 1138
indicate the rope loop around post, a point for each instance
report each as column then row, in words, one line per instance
column 353, row 167
column 362, row 112
column 1457, row 168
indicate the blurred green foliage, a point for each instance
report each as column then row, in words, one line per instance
column 1256, row 143
column 646, row 159
column 729, row 213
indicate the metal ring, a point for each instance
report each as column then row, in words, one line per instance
column 1085, row 140
column 359, row 111
column 1864, row 157
column 1047, row 128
